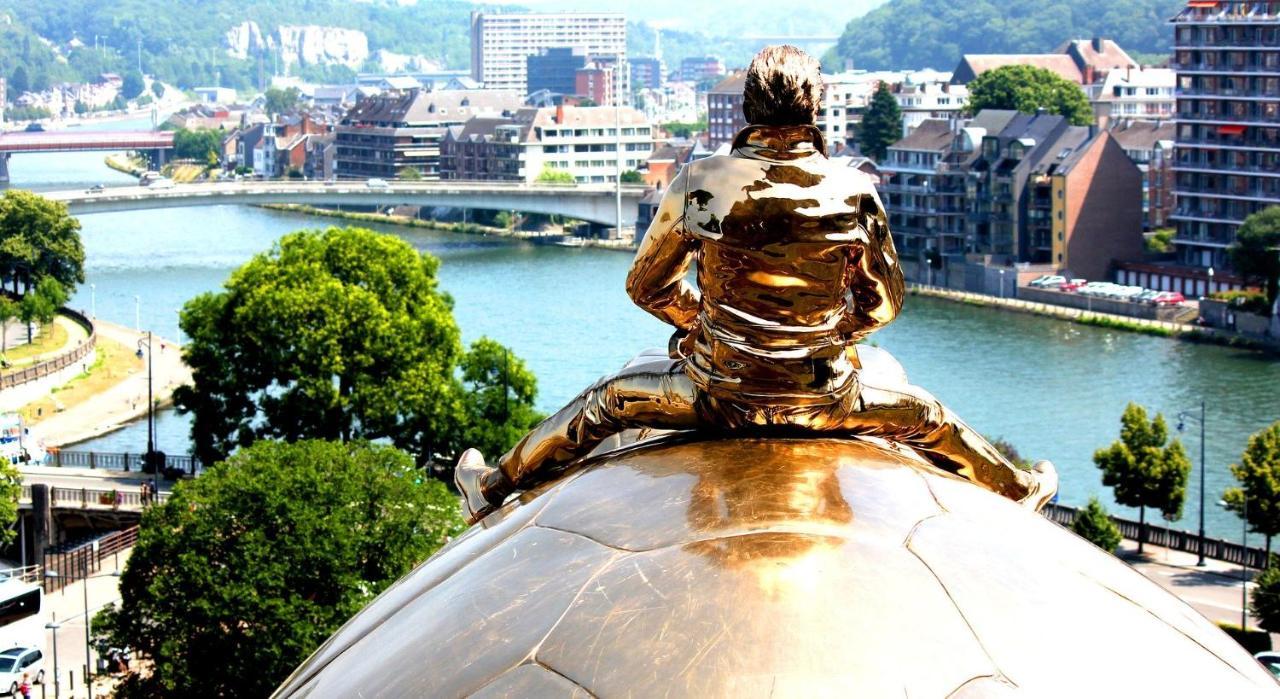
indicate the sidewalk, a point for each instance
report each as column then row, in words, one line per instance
column 122, row 403
column 67, row 607
column 1213, row 590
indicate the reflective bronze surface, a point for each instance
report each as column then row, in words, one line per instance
column 795, row 264
column 773, row 568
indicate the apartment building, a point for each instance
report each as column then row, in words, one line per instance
column 1084, row 62
column 1013, row 188
column 502, row 42
column 1227, row 148
column 647, row 72
column 583, row 141
column 724, row 110
column 929, row 99
column 1149, row 144
column 384, row 134
column 1133, row 93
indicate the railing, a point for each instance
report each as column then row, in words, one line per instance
column 58, row 363
column 1175, row 539
column 64, row 565
column 102, row 498
column 120, row 461
column 31, row 573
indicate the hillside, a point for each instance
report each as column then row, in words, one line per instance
column 935, row 33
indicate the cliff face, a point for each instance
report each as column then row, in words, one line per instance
column 303, row 45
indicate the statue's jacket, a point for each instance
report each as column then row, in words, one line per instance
column 795, row 263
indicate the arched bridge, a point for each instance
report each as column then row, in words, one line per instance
column 158, row 143
column 586, row 202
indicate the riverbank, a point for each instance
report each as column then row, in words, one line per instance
column 122, row 163
column 1177, row 331
column 455, row 227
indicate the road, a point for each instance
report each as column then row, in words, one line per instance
column 1213, row 590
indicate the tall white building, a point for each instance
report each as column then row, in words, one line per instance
column 501, row 43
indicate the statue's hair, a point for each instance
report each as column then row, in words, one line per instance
column 783, row 88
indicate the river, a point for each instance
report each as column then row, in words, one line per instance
column 1054, row 389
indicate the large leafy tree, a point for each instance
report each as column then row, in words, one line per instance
column 1095, row 525
column 41, row 304
column 39, row 238
column 1256, row 252
column 336, row 334
column 1258, row 472
column 282, row 100
column 1264, row 602
column 134, row 85
column 500, row 404
column 882, row 124
column 1144, row 468
column 197, row 144
column 244, row 571
column 1027, row 89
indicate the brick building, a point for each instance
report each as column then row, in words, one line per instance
column 724, row 110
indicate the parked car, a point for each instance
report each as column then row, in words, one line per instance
column 1097, row 288
column 1048, row 281
column 34, row 127
column 1073, row 285
column 14, row 662
column 1168, row 298
column 160, row 183
column 376, row 183
column 1146, row 296
column 1125, row 293
column 96, row 189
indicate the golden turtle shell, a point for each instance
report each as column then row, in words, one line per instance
column 773, row 568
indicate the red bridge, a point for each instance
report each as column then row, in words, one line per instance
column 157, row 143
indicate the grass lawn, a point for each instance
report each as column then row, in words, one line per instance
column 114, row 364
column 49, row 338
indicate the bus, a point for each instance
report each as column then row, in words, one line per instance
column 20, row 606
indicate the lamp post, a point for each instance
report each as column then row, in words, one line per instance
column 149, row 459
column 93, row 301
column 1244, row 562
column 1182, row 418
column 1209, row 291
column 137, row 313
column 88, row 664
column 1002, row 284
column 57, row 677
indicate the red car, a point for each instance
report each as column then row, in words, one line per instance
column 1168, row 298
column 1072, row 285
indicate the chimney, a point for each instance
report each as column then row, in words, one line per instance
column 560, row 113
column 1088, row 74
column 1097, row 44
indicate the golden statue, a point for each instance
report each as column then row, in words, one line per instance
column 795, row 265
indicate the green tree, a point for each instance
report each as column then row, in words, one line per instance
column 502, row 389
column 1096, row 526
column 1259, row 476
column 157, row 88
column 41, row 304
column 1143, row 469
column 632, row 177
column 338, row 334
column 882, row 124
column 684, row 129
column 197, row 144
column 409, row 174
column 39, row 238
column 282, row 100
column 1264, row 602
column 81, row 107
column 1027, row 89
column 134, row 84
column 19, row 82
column 1256, row 252
column 10, row 492
column 244, row 571
column 550, row 175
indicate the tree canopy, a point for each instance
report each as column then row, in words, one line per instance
column 10, row 492
column 1027, row 89
column 244, row 571
column 1264, row 602
column 336, row 334
column 282, row 100
column 1143, row 468
column 40, row 305
column 1259, row 476
column 134, row 84
column 551, row 175
column 197, row 144
column 502, row 390
column 1093, row 524
column 881, row 125
column 935, row 33
column 1256, row 251
column 38, row 239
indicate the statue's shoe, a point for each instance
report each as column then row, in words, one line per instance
column 1045, row 476
column 469, row 476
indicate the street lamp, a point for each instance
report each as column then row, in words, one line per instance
column 57, row 678
column 93, row 301
column 1244, row 561
column 88, row 664
column 150, row 459
column 1209, row 291
column 1182, row 418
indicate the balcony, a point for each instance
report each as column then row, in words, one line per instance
column 1230, row 68
column 1225, row 93
column 1223, row 15
column 1242, row 194
column 1255, row 119
column 1189, row 214
column 1202, row 165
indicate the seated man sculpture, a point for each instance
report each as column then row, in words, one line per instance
column 795, row 265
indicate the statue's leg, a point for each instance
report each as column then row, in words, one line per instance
column 912, row 415
column 654, row 394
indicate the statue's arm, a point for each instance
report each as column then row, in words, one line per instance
column 658, row 278
column 875, row 282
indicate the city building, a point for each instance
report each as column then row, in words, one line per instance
column 582, row 141
column 1227, row 148
column 1009, row 188
column 930, row 99
column 594, row 82
column 554, row 69
column 724, row 110
column 502, row 42
column 1133, row 93
column 384, row 134
column 1149, row 144
column 215, row 95
column 1083, row 62
column 698, row 68
column 647, row 72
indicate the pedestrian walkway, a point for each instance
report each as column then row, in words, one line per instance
column 76, row 334
column 67, row 608
column 125, row 401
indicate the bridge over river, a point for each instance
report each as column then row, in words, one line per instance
column 594, row 203
column 157, row 144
